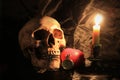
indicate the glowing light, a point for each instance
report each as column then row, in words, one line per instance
column 96, row 29
column 98, row 19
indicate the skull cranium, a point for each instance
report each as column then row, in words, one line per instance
column 42, row 43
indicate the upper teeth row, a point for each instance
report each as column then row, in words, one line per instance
column 54, row 52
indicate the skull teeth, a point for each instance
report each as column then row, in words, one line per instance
column 54, row 52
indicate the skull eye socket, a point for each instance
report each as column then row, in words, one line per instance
column 57, row 34
column 51, row 40
column 41, row 34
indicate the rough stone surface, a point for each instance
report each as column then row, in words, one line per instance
column 110, row 30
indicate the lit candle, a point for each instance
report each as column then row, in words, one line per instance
column 96, row 30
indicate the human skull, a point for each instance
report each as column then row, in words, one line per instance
column 43, row 44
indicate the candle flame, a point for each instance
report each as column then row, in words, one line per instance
column 98, row 19
column 96, row 27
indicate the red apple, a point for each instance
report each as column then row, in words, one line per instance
column 75, row 55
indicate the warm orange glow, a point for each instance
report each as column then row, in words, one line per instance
column 96, row 29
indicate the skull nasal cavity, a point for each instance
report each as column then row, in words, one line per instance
column 51, row 40
column 41, row 34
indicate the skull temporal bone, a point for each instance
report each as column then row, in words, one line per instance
column 53, row 36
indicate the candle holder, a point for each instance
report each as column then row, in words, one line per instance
column 94, row 58
column 96, row 50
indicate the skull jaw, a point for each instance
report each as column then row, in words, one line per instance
column 54, row 59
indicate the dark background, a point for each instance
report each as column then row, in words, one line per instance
column 13, row 15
